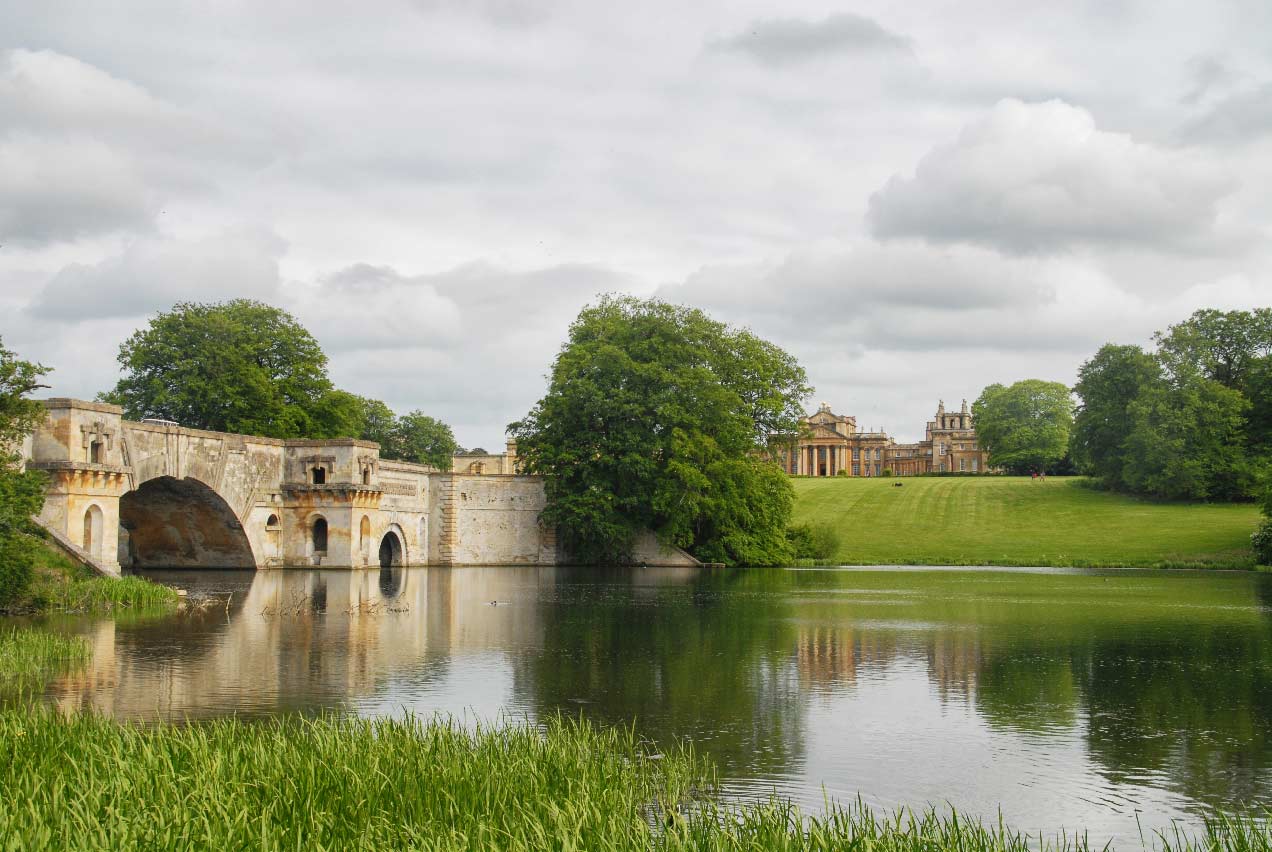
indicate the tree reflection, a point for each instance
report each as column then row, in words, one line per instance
column 709, row 659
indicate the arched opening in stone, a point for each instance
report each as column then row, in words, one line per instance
column 390, row 550
column 364, row 538
column 320, row 476
column 181, row 523
column 271, row 523
column 93, row 530
column 273, row 537
column 320, row 535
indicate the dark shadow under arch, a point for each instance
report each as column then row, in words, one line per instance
column 390, row 550
column 180, row 523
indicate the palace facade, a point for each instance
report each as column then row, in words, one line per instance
column 830, row 443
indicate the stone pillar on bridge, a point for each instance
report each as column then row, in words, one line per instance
column 80, row 447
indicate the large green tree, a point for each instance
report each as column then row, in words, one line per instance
column 657, row 417
column 21, row 493
column 1024, row 426
column 1187, row 441
column 1108, row 384
column 1219, row 345
column 237, row 366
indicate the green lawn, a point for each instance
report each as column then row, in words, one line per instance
column 1019, row 521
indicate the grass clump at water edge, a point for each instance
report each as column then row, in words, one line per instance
column 60, row 585
column 96, row 594
column 28, row 658
column 85, row 782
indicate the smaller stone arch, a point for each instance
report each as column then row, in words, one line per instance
column 318, row 532
column 364, row 539
column 93, row 531
column 393, row 548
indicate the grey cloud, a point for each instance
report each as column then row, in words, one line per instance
column 153, row 273
column 1042, row 177
column 1206, row 73
column 1240, row 118
column 783, row 41
column 62, row 189
column 516, row 14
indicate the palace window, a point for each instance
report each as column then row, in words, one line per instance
column 856, row 453
column 962, row 465
column 320, row 476
column 856, row 470
column 941, row 447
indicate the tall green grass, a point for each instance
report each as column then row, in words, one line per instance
column 29, row 658
column 99, row 595
column 87, row 783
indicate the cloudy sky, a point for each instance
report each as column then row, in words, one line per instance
column 917, row 199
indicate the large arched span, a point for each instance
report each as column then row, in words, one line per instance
column 180, row 523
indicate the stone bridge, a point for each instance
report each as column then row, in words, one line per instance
column 155, row 494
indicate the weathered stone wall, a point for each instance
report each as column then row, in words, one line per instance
column 490, row 520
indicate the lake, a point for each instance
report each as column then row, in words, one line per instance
column 1100, row 700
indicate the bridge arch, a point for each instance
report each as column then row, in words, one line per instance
column 181, row 523
column 393, row 547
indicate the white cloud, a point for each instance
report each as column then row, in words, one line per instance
column 1037, row 177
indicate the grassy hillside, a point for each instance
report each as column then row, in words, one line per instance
column 1019, row 521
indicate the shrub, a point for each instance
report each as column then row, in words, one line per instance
column 21, row 496
column 1261, row 541
column 842, row 472
column 814, row 541
column 887, row 471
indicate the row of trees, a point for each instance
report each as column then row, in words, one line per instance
column 247, row 367
column 1191, row 420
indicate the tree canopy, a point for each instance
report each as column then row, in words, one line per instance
column 237, row 366
column 243, row 366
column 1024, row 426
column 1192, row 420
column 1107, row 385
column 21, row 493
column 416, row 437
column 658, row 417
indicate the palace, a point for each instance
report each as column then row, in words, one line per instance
column 830, row 445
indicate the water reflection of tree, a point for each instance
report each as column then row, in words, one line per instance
column 1178, row 687
column 710, row 660
column 1194, row 705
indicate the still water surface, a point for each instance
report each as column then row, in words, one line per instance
column 1069, row 699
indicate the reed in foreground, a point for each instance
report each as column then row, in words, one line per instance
column 341, row 783
column 28, row 658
